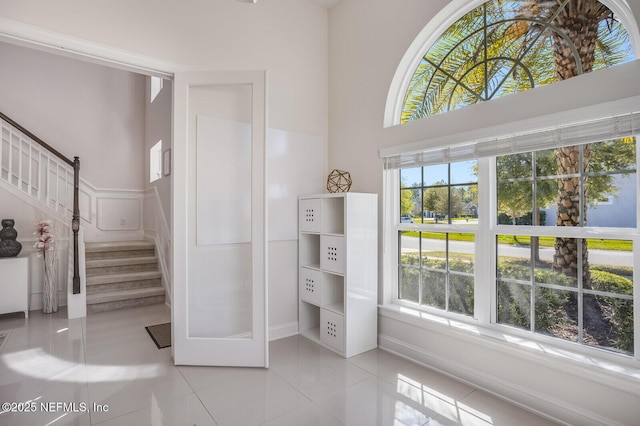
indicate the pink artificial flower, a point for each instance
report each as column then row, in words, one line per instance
column 45, row 237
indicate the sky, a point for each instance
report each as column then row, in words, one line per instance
column 461, row 172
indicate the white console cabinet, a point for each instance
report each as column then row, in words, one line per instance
column 14, row 285
column 338, row 278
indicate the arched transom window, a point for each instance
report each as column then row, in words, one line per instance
column 509, row 46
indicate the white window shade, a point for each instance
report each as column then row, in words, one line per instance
column 576, row 133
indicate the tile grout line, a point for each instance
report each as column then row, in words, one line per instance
column 196, row 394
column 83, row 326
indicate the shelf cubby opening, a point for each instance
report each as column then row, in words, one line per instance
column 333, row 292
column 309, row 317
column 333, row 215
column 310, row 250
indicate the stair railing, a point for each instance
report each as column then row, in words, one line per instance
column 39, row 171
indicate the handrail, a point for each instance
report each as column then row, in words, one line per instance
column 75, row 224
column 75, row 221
column 36, row 139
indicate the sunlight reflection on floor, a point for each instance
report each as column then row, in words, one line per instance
column 38, row 364
column 441, row 404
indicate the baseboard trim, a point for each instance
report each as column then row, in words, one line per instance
column 520, row 396
column 35, row 304
column 281, row 331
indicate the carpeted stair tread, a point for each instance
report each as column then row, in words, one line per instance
column 113, row 296
column 118, row 245
column 125, row 261
column 124, row 277
column 122, row 274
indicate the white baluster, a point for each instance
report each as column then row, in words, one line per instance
column 21, row 163
column 66, row 190
column 40, row 192
column 4, row 127
column 30, row 159
column 47, row 184
column 10, row 169
column 57, row 205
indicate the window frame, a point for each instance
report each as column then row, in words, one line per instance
column 440, row 228
column 155, row 162
column 485, row 277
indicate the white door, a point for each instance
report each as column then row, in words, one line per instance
column 219, row 303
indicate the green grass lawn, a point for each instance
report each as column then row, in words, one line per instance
column 593, row 243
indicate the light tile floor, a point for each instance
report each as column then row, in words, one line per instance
column 108, row 362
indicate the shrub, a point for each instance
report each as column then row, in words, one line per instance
column 505, row 219
column 606, row 281
column 624, row 271
column 434, row 282
column 555, row 310
column 514, row 300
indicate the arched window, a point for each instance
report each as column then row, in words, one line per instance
column 509, row 46
column 460, row 202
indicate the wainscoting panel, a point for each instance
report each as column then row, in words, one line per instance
column 119, row 214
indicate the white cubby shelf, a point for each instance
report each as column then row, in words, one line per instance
column 338, row 271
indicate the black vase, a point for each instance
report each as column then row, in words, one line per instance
column 9, row 247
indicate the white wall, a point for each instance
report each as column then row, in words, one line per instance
column 367, row 40
column 157, row 127
column 287, row 37
column 157, row 201
column 80, row 109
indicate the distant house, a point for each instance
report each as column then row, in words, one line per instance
column 470, row 209
column 618, row 211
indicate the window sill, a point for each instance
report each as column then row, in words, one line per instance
column 611, row 369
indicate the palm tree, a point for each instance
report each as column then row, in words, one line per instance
column 574, row 53
column 508, row 46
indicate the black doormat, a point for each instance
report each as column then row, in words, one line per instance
column 161, row 334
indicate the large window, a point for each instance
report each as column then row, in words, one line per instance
column 560, row 205
column 437, row 268
column 565, row 283
column 510, row 46
column 563, row 261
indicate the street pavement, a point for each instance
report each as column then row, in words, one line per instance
column 601, row 257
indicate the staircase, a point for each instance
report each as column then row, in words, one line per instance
column 122, row 275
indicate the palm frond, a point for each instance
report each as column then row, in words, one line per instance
column 503, row 47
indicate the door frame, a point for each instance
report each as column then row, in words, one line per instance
column 219, row 351
column 37, row 38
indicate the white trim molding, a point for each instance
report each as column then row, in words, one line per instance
column 96, row 213
column 461, row 141
column 22, row 34
column 280, row 331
